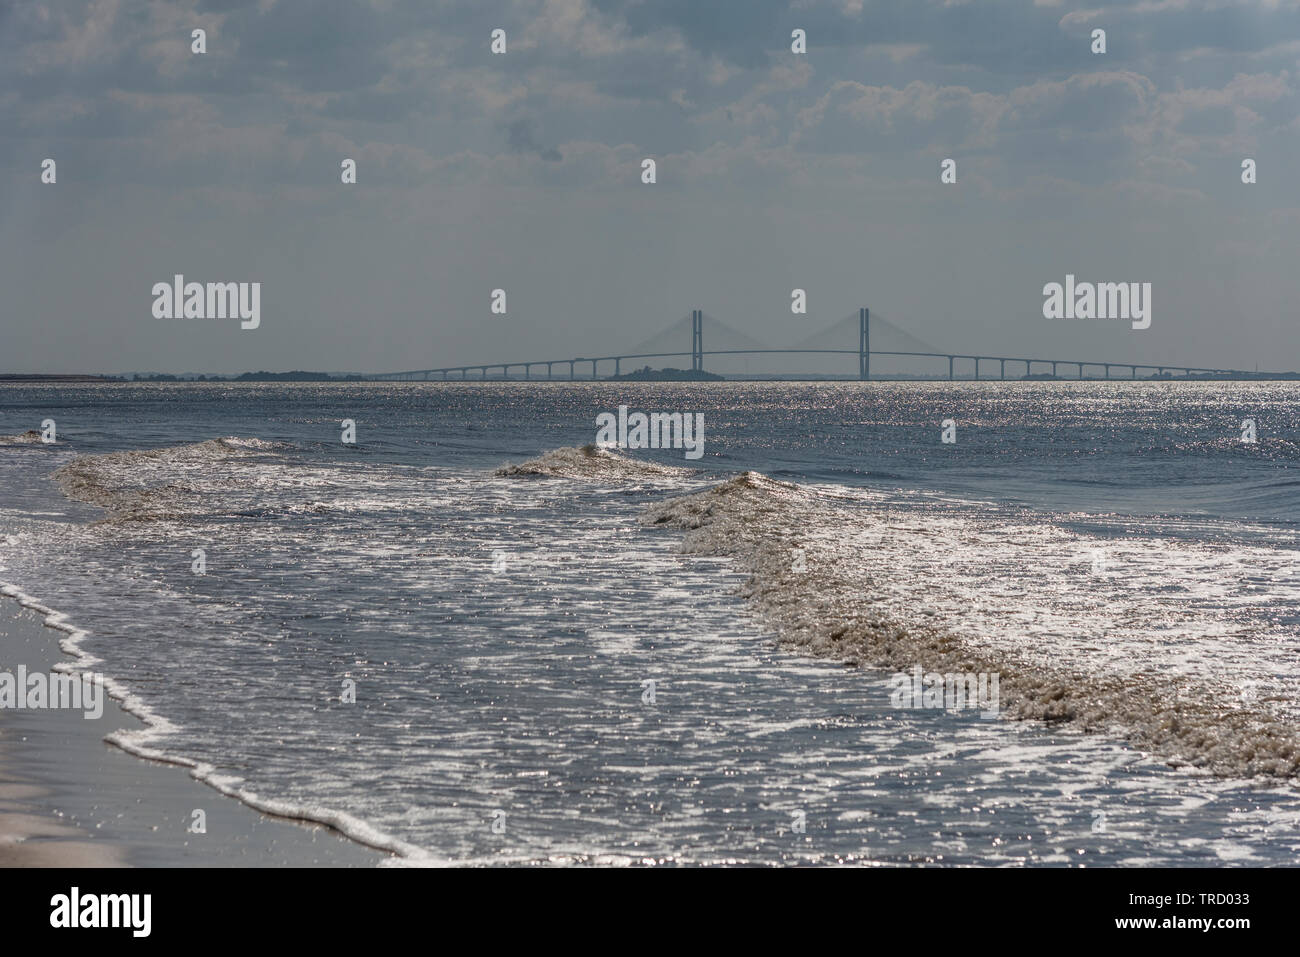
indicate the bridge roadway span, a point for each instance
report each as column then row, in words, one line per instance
column 448, row 372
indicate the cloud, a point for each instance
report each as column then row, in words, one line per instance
column 522, row 139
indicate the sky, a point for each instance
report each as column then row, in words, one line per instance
column 522, row 171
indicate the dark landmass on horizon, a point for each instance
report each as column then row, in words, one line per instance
column 647, row 374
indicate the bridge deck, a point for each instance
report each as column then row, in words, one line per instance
column 572, row 363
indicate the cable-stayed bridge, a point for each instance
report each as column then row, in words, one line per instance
column 830, row 341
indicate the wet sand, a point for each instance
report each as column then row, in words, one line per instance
column 69, row 799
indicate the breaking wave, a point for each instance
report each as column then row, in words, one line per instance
column 172, row 483
column 592, row 463
column 830, row 606
column 30, row 437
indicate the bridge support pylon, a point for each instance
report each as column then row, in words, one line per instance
column 864, row 344
column 697, row 340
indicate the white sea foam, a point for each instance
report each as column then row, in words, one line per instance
column 841, row 601
column 142, row 743
column 177, row 483
column 174, row 482
column 592, row 463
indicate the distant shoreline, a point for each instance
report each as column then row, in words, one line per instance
column 666, row 375
column 38, row 377
column 654, row 376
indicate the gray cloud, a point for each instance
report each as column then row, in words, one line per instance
column 522, row 139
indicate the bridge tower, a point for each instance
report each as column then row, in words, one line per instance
column 864, row 344
column 697, row 340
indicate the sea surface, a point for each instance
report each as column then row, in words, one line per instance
column 570, row 662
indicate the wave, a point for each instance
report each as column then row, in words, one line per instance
column 180, row 483
column 592, row 463
column 823, row 605
column 30, row 437
column 171, row 483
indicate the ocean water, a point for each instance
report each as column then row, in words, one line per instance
column 635, row 657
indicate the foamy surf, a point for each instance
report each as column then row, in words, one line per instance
column 826, row 606
column 30, row 437
column 456, row 599
column 591, row 463
column 142, row 743
column 174, row 482
column 178, row 483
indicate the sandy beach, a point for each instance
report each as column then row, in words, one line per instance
column 68, row 799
